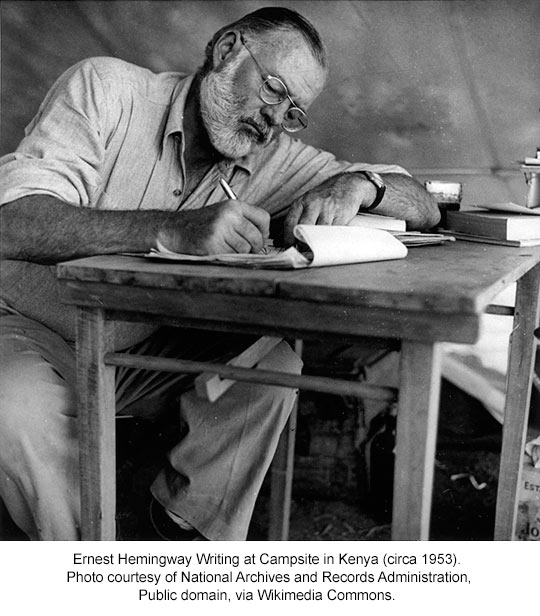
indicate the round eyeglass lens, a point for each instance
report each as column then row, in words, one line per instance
column 273, row 91
column 294, row 120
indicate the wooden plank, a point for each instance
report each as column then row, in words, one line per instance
column 140, row 272
column 96, row 407
column 516, row 409
column 282, row 472
column 280, row 316
column 211, row 386
column 416, row 435
column 250, row 375
column 456, row 277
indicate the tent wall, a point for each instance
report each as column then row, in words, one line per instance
column 448, row 89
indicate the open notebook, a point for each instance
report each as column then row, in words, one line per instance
column 317, row 245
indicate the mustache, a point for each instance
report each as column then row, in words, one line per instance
column 265, row 130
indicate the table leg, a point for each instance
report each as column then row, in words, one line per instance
column 282, row 471
column 516, row 408
column 416, row 436
column 96, row 406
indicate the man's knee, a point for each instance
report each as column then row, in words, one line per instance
column 282, row 359
column 280, row 398
column 31, row 390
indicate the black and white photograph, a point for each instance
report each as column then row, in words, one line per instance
column 270, row 272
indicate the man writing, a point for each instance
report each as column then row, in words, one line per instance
column 116, row 159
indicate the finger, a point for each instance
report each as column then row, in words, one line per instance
column 237, row 243
column 345, row 213
column 327, row 216
column 291, row 221
column 310, row 214
column 258, row 217
column 252, row 235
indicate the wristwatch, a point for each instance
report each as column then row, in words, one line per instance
column 379, row 184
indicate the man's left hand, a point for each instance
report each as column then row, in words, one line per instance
column 334, row 202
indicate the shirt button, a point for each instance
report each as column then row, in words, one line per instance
column 177, row 192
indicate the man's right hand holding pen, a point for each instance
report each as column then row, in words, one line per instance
column 225, row 227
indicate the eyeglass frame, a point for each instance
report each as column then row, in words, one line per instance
column 265, row 75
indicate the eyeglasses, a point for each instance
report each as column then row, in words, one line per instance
column 273, row 92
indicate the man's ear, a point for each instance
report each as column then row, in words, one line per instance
column 228, row 44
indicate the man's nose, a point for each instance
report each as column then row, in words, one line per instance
column 275, row 113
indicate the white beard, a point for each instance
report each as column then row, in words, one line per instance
column 231, row 133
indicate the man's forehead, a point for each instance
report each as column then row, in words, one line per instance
column 288, row 55
column 280, row 44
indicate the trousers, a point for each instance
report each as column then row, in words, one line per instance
column 212, row 476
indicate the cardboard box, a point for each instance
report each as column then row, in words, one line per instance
column 528, row 517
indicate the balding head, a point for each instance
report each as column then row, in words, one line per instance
column 270, row 22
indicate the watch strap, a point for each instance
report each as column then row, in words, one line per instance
column 376, row 180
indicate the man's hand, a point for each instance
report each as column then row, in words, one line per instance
column 229, row 226
column 340, row 198
column 334, row 202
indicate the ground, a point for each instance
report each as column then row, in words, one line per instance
column 464, row 494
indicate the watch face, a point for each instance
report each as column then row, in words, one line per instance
column 376, row 178
column 377, row 181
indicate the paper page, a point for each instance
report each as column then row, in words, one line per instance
column 509, row 207
column 337, row 245
column 376, row 221
column 326, row 245
column 420, row 238
column 273, row 258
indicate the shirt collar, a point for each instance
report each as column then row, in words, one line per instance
column 175, row 125
column 175, row 118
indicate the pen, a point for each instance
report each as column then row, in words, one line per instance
column 227, row 189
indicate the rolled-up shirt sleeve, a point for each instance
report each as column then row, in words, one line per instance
column 294, row 168
column 63, row 149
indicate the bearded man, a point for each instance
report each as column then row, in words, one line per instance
column 116, row 159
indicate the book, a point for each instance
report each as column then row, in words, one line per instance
column 484, row 239
column 376, row 221
column 317, row 246
column 398, row 228
column 497, row 225
column 510, row 207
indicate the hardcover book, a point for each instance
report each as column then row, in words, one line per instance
column 497, row 225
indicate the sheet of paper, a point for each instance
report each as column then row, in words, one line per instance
column 420, row 238
column 273, row 258
column 338, row 245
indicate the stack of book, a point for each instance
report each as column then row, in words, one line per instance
column 506, row 224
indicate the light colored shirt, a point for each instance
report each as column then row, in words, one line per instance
column 109, row 135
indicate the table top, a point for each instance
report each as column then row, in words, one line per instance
column 437, row 293
column 455, row 277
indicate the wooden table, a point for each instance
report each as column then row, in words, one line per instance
column 436, row 294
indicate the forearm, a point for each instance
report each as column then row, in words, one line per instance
column 44, row 230
column 405, row 198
